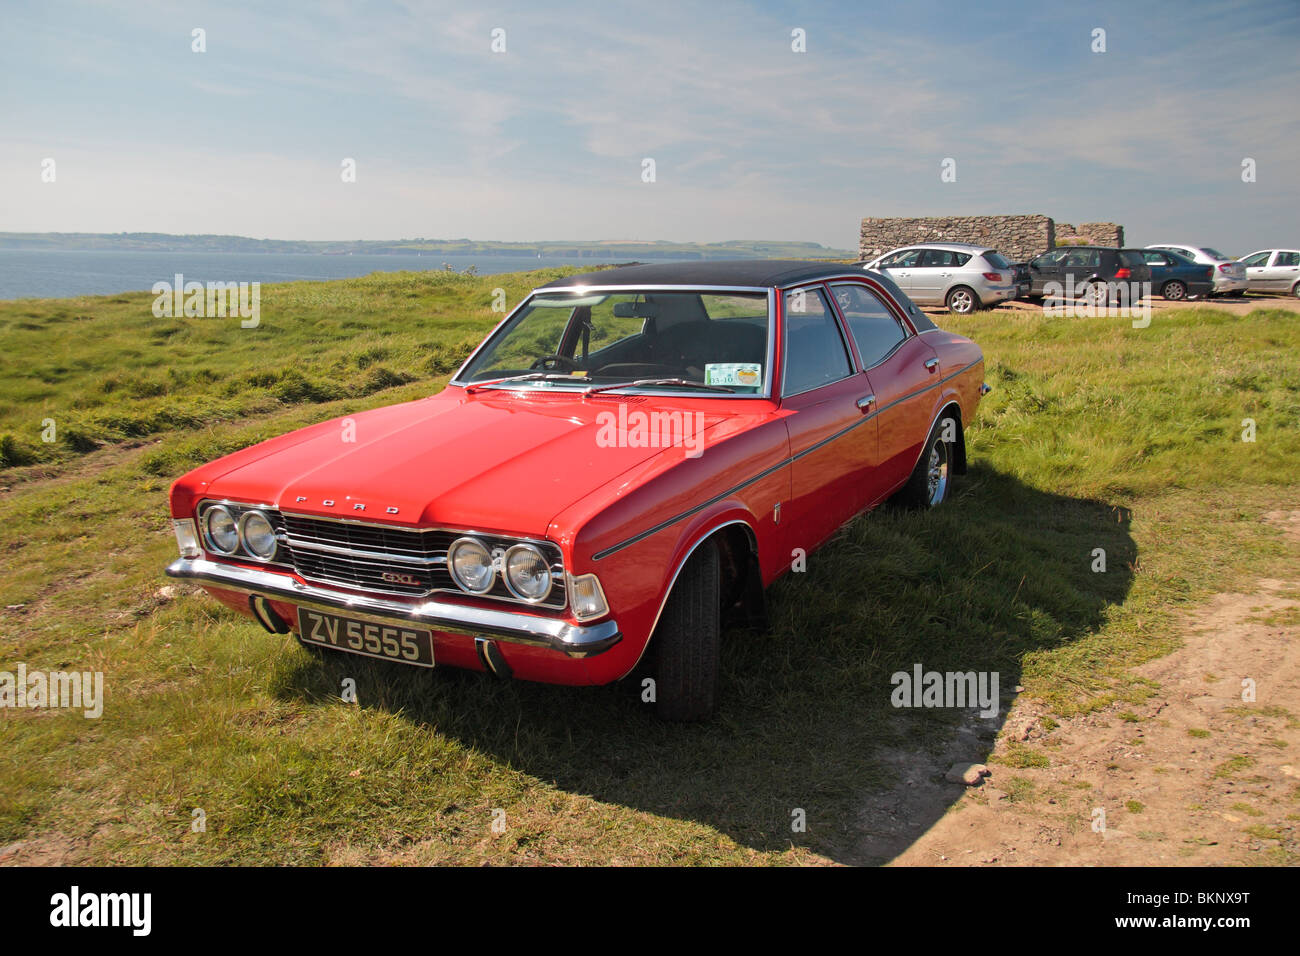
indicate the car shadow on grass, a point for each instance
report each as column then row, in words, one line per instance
column 800, row 750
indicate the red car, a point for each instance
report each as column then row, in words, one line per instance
column 630, row 455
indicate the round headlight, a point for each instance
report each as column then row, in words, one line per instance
column 470, row 563
column 528, row 575
column 222, row 533
column 257, row 535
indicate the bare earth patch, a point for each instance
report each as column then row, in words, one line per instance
column 1194, row 775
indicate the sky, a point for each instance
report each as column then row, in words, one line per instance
column 548, row 138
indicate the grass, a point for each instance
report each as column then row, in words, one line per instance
column 1096, row 435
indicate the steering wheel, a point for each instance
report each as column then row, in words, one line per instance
column 557, row 362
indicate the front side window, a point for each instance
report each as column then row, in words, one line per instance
column 906, row 259
column 875, row 330
column 1083, row 259
column 1258, row 259
column 815, row 353
column 717, row 339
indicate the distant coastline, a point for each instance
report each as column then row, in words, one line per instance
column 604, row 250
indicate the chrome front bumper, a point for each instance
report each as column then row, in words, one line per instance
column 574, row 640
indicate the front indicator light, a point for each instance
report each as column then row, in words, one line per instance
column 586, row 597
column 470, row 564
column 527, row 573
column 257, row 535
column 187, row 537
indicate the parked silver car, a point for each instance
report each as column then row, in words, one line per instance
column 1229, row 275
column 1273, row 270
column 958, row 275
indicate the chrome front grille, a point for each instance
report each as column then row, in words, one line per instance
column 390, row 560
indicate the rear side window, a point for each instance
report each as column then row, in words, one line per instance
column 815, row 353
column 1288, row 258
column 997, row 260
column 875, row 330
column 943, row 257
column 1157, row 258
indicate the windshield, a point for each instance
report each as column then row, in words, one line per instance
column 604, row 338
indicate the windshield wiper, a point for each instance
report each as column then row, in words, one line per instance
column 647, row 382
column 530, row 377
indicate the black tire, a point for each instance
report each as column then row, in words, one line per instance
column 1295, row 290
column 1174, row 290
column 962, row 300
column 687, row 641
column 919, row 493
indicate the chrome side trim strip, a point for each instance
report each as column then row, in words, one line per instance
column 573, row 640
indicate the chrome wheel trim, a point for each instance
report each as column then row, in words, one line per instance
column 961, row 302
column 937, row 472
column 1175, row 291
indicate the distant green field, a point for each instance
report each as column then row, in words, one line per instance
column 1096, row 435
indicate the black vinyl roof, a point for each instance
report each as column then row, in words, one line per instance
column 746, row 272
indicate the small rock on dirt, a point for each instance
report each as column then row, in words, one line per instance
column 967, row 774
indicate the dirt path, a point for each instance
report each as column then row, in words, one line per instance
column 1195, row 775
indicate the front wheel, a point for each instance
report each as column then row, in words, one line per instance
column 962, row 301
column 931, row 479
column 1175, row 291
column 686, row 643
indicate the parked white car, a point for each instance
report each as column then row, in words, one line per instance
column 1229, row 274
column 958, row 275
column 1273, row 270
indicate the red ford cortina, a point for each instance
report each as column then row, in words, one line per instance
column 630, row 455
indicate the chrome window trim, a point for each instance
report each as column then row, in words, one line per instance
column 908, row 331
column 769, row 291
column 849, row 350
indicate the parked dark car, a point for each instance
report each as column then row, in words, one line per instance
column 1020, row 275
column 1087, row 270
column 1176, row 277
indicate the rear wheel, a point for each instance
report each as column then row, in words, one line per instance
column 1174, row 290
column 962, row 301
column 931, row 479
column 687, row 641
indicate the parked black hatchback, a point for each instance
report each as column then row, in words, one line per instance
column 1086, row 271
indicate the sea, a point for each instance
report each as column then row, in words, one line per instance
column 58, row 273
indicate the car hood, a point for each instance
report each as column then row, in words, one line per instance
column 495, row 461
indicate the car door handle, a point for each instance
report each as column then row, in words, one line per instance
column 931, row 364
column 865, row 402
